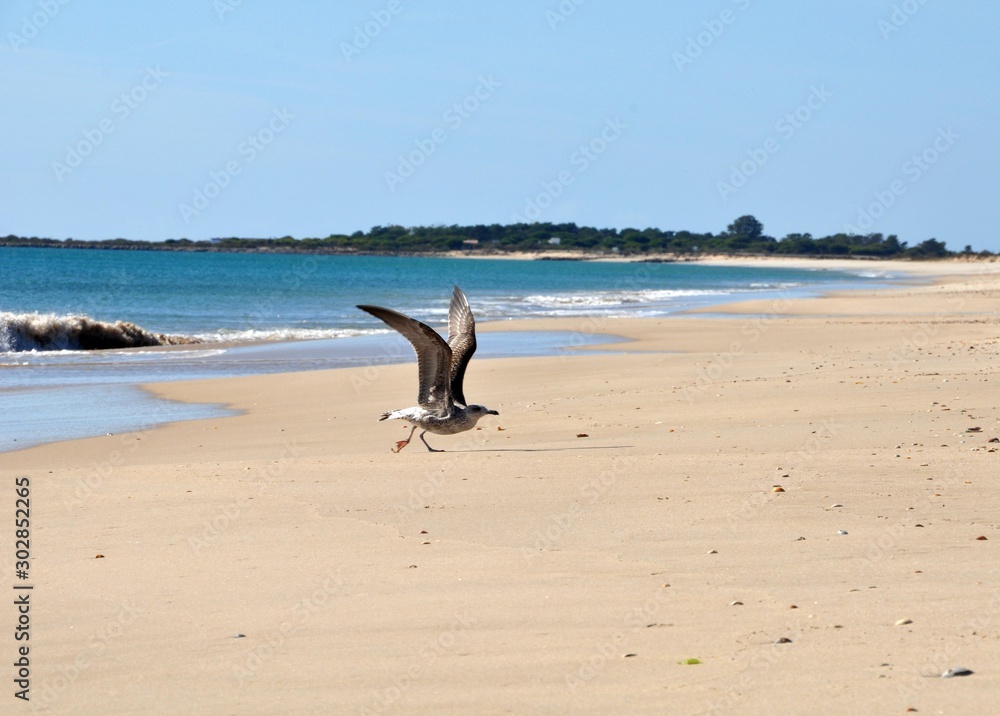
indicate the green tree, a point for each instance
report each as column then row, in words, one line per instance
column 746, row 227
column 797, row 244
column 929, row 248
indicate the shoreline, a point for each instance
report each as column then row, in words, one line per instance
column 619, row 519
column 589, row 333
column 86, row 326
column 593, row 334
column 24, row 330
column 606, row 333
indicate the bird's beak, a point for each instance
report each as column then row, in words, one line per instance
column 492, row 412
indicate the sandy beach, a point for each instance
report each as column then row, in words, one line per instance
column 789, row 508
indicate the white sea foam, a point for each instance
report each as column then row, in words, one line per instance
column 253, row 335
column 562, row 303
column 873, row 274
column 616, row 298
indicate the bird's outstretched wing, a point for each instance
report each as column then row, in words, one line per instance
column 433, row 357
column 461, row 340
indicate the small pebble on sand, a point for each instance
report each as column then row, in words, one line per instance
column 957, row 671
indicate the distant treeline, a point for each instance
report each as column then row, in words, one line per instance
column 745, row 236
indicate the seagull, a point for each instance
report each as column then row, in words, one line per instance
column 441, row 404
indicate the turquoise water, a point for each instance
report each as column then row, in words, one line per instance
column 216, row 296
column 49, row 390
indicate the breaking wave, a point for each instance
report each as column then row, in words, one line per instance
column 618, row 298
column 602, row 301
column 50, row 332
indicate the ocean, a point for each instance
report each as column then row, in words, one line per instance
column 263, row 313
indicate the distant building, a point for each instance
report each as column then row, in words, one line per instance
column 555, row 240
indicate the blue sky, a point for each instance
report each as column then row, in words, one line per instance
column 161, row 119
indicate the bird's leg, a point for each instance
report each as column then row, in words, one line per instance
column 425, row 442
column 400, row 444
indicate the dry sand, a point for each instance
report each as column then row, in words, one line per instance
column 622, row 522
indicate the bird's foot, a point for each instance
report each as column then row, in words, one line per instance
column 424, row 441
column 400, row 444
